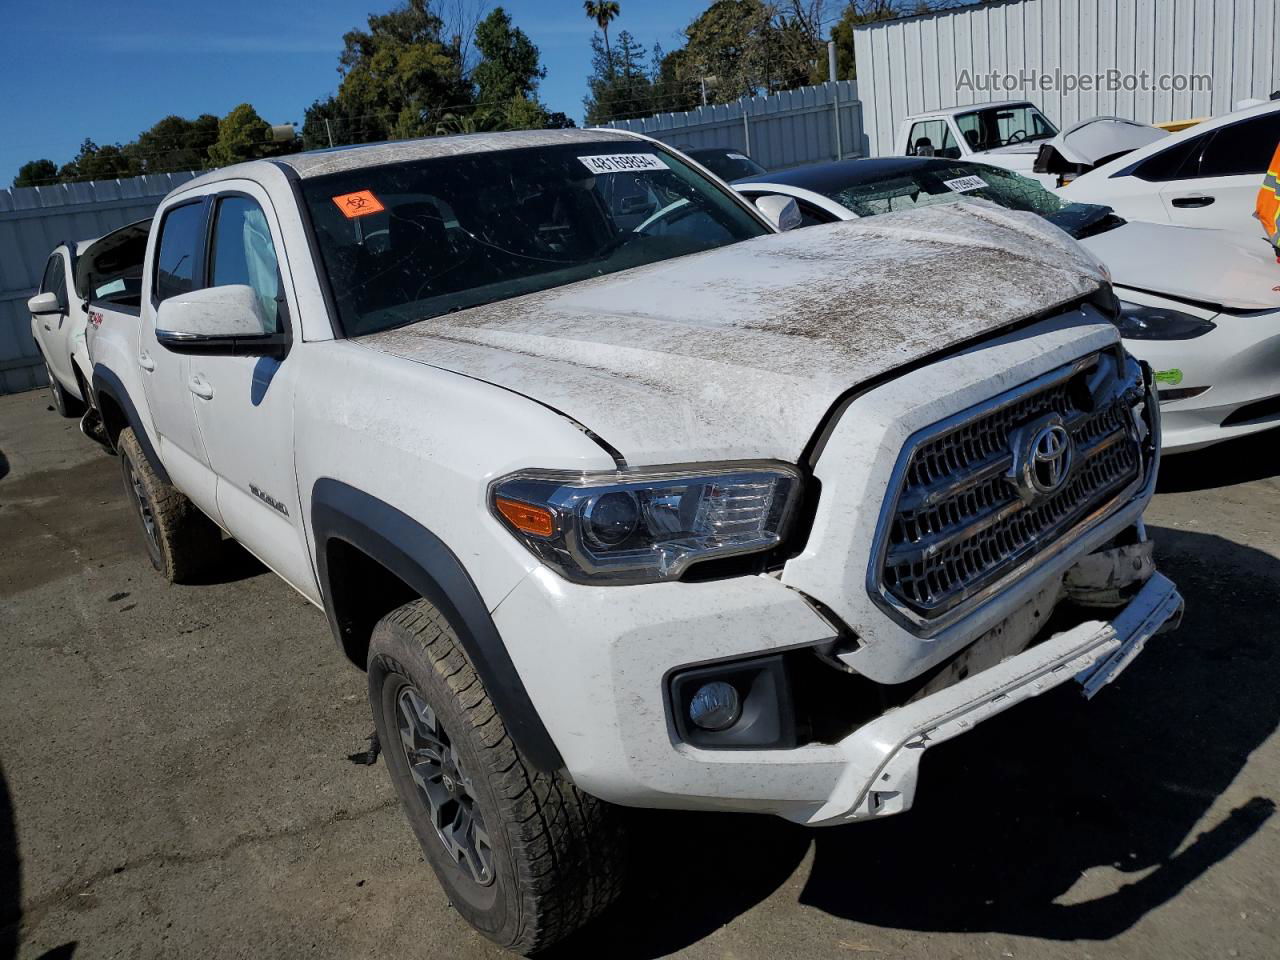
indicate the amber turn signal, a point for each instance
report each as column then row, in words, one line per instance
column 525, row 517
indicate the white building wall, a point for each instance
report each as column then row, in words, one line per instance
column 911, row 65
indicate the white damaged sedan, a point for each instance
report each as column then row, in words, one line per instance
column 1201, row 306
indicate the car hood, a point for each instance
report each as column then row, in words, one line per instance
column 1102, row 138
column 740, row 352
column 1217, row 267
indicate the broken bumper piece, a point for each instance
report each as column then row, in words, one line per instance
column 882, row 759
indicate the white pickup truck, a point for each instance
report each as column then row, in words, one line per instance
column 686, row 514
column 1004, row 133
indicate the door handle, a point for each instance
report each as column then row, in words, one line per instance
column 145, row 362
column 200, row 388
column 1192, row 201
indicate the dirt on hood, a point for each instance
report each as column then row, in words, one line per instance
column 741, row 351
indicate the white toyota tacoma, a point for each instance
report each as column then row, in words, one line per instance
column 622, row 497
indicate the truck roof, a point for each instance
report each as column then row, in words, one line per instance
column 970, row 108
column 318, row 163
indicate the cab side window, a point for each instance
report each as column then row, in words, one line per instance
column 932, row 138
column 178, row 250
column 55, row 279
column 242, row 253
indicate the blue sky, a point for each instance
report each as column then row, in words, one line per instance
column 74, row 69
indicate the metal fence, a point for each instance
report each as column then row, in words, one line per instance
column 804, row 125
column 917, row 64
column 33, row 220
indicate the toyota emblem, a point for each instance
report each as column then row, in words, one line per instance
column 1043, row 456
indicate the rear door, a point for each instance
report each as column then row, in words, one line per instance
column 244, row 405
column 1220, row 186
column 177, row 268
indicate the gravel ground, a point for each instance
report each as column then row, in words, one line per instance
column 175, row 779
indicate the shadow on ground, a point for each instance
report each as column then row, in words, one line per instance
column 1010, row 816
column 235, row 563
column 10, row 874
column 1250, row 458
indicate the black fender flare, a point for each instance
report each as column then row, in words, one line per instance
column 107, row 384
column 424, row 562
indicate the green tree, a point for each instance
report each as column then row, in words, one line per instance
column 175, row 143
column 400, row 77
column 558, row 121
column 676, row 85
column 36, row 173
column 93, row 162
column 728, row 45
column 242, row 135
column 509, row 65
column 619, row 85
column 603, row 12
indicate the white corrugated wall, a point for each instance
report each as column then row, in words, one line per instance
column 912, row 65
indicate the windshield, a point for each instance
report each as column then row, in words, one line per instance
column 1002, row 126
column 727, row 164
column 928, row 183
column 413, row 240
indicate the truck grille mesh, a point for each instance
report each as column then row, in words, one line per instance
column 962, row 520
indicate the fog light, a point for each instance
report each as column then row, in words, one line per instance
column 715, row 706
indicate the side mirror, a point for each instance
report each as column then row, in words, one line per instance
column 781, row 211
column 43, row 304
column 224, row 320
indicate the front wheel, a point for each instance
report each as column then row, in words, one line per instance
column 526, row 857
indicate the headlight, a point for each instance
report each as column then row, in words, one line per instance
column 1137, row 322
column 638, row 526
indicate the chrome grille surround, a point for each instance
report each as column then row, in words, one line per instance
column 955, row 529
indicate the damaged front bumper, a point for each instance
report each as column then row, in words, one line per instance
column 883, row 757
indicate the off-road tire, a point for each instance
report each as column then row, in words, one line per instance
column 558, row 854
column 182, row 542
column 66, row 405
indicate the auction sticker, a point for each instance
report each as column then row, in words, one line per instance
column 965, row 184
column 358, row 204
column 623, row 162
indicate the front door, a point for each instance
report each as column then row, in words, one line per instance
column 50, row 328
column 244, row 405
column 165, row 375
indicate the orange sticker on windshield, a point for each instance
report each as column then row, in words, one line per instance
column 358, row 204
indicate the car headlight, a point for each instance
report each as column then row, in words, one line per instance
column 1137, row 322
column 644, row 525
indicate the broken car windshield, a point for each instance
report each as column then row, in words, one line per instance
column 947, row 182
column 409, row 241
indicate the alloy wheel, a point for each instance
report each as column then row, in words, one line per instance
column 443, row 786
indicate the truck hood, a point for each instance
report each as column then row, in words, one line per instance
column 740, row 352
column 1216, row 267
column 1012, row 150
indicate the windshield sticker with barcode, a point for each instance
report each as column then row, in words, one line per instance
column 737, row 156
column 623, row 162
column 965, row 184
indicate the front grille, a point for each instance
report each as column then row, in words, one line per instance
column 968, row 511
